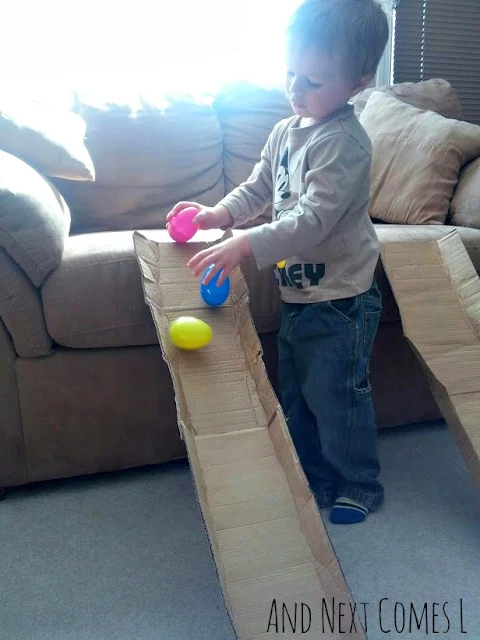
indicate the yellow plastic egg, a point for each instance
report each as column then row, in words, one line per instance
column 190, row 333
column 281, row 264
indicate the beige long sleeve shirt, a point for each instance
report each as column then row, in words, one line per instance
column 318, row 178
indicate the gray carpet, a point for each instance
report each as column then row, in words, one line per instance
column 124, row 556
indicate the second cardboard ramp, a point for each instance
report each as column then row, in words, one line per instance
column 437, row 291
column 277, row 569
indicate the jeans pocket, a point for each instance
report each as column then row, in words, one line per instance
column 347, row 309
column 364, row 386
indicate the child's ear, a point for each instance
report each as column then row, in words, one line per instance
column 362, row 84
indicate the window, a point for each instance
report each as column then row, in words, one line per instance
column 171, row 43
column 440, row 39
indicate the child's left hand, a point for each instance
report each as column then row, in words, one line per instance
column 225, row 256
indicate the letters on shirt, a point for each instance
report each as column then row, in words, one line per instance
column 295, row 275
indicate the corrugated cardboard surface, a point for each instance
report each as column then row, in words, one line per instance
column 267, row 536
column 437, row 290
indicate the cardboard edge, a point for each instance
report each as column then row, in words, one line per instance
column 445, row 244
column 140, row 241
column 450, row 414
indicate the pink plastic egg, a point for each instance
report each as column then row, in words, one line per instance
column 182, row 228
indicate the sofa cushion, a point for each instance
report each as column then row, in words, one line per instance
column 34, row 219
column 264, row 294
column 148, row 155
column 418, row 233
column 465, row 204
column 417, row 156
column 95, row 298
column 435, row 95
column 51, row 140
column 247, row 113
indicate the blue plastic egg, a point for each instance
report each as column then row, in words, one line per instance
column 211, row 293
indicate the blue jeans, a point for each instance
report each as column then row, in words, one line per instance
column 324, row 357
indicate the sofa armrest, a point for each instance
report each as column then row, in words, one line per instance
column 21, row 310
column 34, row 219
column 465, row 204
column 12, row 451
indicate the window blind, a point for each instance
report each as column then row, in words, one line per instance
column 440, row 39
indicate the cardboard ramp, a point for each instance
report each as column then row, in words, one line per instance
column 437, row 290
column 277, row 568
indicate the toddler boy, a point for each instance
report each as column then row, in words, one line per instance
column 315, row 168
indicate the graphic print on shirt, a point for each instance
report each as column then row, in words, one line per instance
column 282, row 184
column 293, row 275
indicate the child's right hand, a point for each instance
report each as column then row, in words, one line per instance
column 207, row 217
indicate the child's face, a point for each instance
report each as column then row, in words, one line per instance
column 316, row 83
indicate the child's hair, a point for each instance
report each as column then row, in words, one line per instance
column 355, row 29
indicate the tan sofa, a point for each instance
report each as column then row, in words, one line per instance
column 83, row 387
